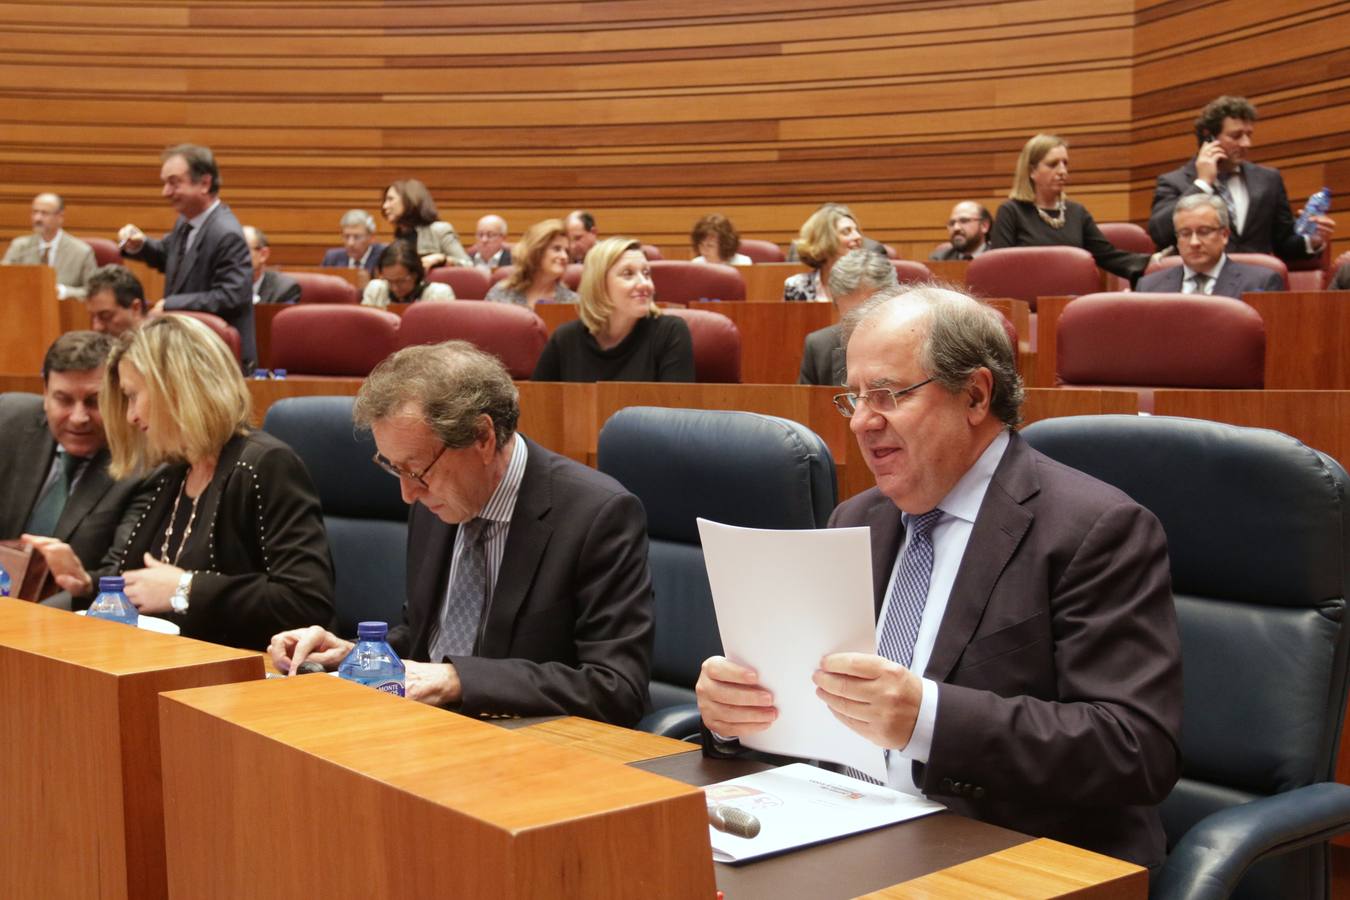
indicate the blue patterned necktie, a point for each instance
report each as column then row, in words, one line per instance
column 463, row 608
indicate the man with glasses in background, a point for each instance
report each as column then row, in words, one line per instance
column 967, row 232
column 491, row 250
column 1201, row 224
column 1028, row 667
column 528, row 587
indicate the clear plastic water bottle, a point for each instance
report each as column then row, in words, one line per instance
column 4, row 582
column 112, row 603
column 372, row 661
column 1318, row 204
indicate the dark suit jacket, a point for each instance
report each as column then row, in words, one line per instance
column 568, row 629
column 99, row 511
column 1269, row 227
column 277, row 287
column 215, row 276
column 1058, row 660
column 337, row 258
column 1234, row 279
column 822, row 358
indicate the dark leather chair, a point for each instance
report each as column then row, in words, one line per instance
column 762, row 251
column 224, row 330
column 1259, row 538
column 363, row 511
column 105, row 251
column 1265, row 260
column 467, row 282
column 512, row 333
column 737, row 468
column 908, row 271
column 717, row 345
column 682, row 281
column 1025, row 273
column 316, row 287
column 332, row 340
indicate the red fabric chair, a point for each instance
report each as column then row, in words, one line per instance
column 717, row 344
column 499, row 273
column 225, row 331
column 682, row 281
column 908, row 271
column 1274, row 263
column 572, row 277
column 328, row 339
column 512, row 333
column 651, row 252
column 105, row 251
column 467, row 282
column 1127, row 236
column 1025, row 273
column 762, row 251
column 316, row 287
column 1160, row 340
column 891, row 252
column 1312, row 274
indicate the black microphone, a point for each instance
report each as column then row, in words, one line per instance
column 733, row 821
column 309, row 667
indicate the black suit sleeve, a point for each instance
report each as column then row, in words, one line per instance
column 152, row 253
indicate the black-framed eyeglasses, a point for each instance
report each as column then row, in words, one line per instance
column 399, row 472
column 882, row 400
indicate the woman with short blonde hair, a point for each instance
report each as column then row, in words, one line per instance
column 826, row 235
column 541, row 261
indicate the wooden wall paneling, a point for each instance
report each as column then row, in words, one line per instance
column 1307, row 334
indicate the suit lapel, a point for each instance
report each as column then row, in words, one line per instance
column 883, row 520
column 526, row 542
column 92, row 486
column 32, row 464
column 1000, row 526
column 433, row 581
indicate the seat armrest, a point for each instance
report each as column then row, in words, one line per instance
column 680, row 722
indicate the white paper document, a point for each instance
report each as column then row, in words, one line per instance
column 799, row 805
column 784, row 599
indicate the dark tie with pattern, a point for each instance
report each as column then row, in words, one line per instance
column 464, row 605
column 179, row 252
column 47, row 511
column 1198, row 281
column 1221, row 188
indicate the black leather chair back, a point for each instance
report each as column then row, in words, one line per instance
column 1256, row 531
column 363, row 511
column 737, row 468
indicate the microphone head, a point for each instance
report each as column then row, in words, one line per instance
column 733, row 821
column 309, row 667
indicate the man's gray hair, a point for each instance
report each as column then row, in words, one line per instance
column 963, row 335
column 357, row 218
column 453, row 384
column 1200, row 201
column 859, row 270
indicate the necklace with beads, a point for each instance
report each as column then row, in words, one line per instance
column 1057, row 220
column 187, row 529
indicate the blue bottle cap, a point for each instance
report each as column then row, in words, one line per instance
column 111, row 584
column 371, row 631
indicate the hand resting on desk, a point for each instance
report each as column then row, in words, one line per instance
column 433, row 683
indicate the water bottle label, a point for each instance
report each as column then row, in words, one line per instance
column 390, row 687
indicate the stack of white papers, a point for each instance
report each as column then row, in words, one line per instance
column 798, row 805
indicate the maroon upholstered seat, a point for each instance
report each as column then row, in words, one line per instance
column 1127, row 236
column 717, row 345
column 315, row 287
column 467, row 282
column 512, row 333
column 1314, row 273
column 330, row 339
column 762, row 251
column 1160, row 340
column 572, row 277
column 651, row 251
column 908, row 271
column 682, row 281
column 1273, row 263
column 105, row 251
column 224, row 330
column 1025, row 273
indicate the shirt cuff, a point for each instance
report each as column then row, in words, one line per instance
column 921, row 741
column 1312, row 249
column 61, row 289
column 1203, row 185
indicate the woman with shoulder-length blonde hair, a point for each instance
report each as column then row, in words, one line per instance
column 828, row 234
column 1038, row 212
column 541, row 261
column 232, row 546
column 621, row 335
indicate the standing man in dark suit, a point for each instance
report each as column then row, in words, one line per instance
column 54, row 482
column 857, row 276
column 1028, row 669
column 1201, row 225
column 1258, row 205
column 359, row 249
column 268, row 286
column 204, row 258
column 528, row 587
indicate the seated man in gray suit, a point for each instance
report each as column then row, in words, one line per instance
column 54, row 482
column 268, row 286
column 1201, row 225
column 51, row 245
column 858, row 275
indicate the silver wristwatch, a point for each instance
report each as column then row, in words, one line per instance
column 179, row 600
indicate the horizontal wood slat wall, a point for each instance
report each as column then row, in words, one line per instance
column 649, row 114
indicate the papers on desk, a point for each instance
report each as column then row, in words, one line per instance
column 784, row 599
column 799, row 805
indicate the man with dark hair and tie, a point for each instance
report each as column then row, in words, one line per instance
column 116, row 302
column 1201, row 225
column 1258, row 206
column 528, row 587
column 205, row 259
column 51, row 245
column 1028, row 666
column 54, row 482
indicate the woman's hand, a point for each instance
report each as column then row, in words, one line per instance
column 63, row 564
column 150, row 588
column 432, row 260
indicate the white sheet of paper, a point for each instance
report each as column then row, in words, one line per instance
column 799, row 805
column 784, row 599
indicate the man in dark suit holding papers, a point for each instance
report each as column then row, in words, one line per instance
column 1028, row 669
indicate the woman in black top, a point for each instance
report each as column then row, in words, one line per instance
column 621, row 335
column 1039, row 215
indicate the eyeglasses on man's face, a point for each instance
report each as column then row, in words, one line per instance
column 399, row 472
column 882, row 400
column 1204, row 232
